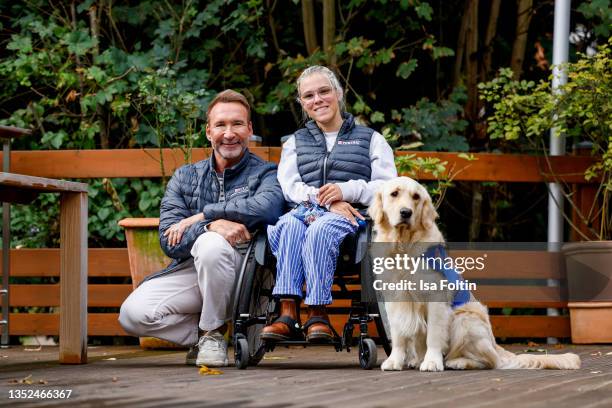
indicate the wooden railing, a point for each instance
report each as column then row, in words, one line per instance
column 113, row 262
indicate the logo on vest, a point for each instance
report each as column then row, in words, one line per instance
column 348, row 142
column 239, row 190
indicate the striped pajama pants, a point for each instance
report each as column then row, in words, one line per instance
column 307, row 253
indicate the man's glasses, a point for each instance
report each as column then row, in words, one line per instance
column 323, row 93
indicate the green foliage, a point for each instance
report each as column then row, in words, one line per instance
column 600, row 13
column 412, row 166
column 580, row 110
column 173, row 115
column 430, row 126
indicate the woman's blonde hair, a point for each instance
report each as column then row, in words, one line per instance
column 333, row 81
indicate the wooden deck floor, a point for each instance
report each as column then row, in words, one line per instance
column 316, row 377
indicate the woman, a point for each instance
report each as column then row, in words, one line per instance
column 340, row 164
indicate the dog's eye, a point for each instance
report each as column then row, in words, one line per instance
column 395, row 193
column 416, row 197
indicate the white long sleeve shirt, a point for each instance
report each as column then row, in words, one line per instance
column 353, row 191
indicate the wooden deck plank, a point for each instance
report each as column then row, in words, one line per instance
column 296, row 377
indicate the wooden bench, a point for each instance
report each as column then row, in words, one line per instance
column 113, row 263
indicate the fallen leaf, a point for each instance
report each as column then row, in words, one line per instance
column 33, row 349
column 44, row 382
column 275, row 358
column 209, row 371
column 26, row 380
column 607, row 354
column 596, row 372
column 597, row 353
column 110, row 359
column 115, row 379
column 496, row 379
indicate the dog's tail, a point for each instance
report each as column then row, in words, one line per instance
column 508, row 360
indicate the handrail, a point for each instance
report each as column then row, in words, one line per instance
column 146, row 163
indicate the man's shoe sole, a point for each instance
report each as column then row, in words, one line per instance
column 214, row 363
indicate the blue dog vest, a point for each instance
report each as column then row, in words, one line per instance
column 462, row 296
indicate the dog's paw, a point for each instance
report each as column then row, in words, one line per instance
column 456, row 364
column 413, row 362
column 432, row 365
column 392, row 364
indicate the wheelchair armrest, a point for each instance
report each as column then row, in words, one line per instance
column 261, row 242
column 364, row 236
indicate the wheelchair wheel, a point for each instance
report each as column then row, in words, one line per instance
column 368, row 354
column 241, row 353
column 254, row 305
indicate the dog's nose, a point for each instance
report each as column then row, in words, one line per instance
column 405, row 213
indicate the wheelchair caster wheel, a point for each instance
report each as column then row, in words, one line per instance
column 367, row 354
column 241, row 353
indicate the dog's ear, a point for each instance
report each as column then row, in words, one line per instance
column 376, row 208
column 428, row 214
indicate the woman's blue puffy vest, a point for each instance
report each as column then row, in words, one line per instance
column 349, row 159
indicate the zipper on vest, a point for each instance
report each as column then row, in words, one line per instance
column 325, row 169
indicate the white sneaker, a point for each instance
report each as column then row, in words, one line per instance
column 212, row 350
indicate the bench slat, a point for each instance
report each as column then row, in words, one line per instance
column 113, row 262
column 106, row 324
column 112, row 295
column 146, row 163
column 45, row 262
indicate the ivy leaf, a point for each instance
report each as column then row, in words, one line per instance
column 439, row 52
column 424, row 11
column 55, row 139
column 20, row 43
column 103, row 213
column 96, row 73
column 377, row 117
column 405, row 69
column 79, row 42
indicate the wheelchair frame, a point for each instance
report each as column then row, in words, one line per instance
column 255, row 306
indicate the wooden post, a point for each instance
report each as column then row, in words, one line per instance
column 73, row 278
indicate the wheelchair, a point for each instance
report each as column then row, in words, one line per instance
column 255, row 306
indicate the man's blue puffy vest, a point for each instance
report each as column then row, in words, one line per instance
column 349, row 159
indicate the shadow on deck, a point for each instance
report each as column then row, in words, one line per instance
column 129, row 376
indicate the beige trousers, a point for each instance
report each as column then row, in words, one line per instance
column 198, row 294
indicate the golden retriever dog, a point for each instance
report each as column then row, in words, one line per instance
column 433, row 335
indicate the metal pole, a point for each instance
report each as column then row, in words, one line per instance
column 557, row 140
column 6, row 251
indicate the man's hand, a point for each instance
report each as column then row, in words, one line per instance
column 329, row 193
column 346, row 210
column 233, row 232
column 176, row 231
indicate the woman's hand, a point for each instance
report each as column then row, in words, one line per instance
column 329, row 193
column 346, row 210
column 176, row 231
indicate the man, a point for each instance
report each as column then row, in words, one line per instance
column 206, row 214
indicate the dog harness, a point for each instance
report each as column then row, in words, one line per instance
column 462, row 296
